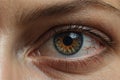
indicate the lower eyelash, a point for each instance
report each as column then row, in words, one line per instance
column 75, row 66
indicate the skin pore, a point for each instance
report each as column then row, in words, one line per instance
column 24, row 24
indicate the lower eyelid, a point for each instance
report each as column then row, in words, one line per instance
column 74, row 65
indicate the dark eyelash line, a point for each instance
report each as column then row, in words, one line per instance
column 89, row 30
column 102, row 36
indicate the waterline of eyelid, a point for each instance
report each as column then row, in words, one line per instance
column 84, row 64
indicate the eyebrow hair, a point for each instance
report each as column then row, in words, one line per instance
column 66, row 8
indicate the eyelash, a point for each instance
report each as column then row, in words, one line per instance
column 85, row 30
column 96, row 34
column 104, row 39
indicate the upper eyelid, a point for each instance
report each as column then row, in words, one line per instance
column 94, row 22
column 82, row 20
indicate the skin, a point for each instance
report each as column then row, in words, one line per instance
column 13, row 64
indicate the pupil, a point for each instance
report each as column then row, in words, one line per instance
column 67, row 41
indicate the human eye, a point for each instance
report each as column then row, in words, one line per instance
column 71, row 48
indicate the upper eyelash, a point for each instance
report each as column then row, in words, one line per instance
column 105, row 39
column 85, row 29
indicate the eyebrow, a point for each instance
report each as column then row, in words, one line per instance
column 65, row 8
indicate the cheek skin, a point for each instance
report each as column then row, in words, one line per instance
column 28, row 72
column 109, row 72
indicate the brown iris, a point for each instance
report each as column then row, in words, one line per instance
column 68, row 43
